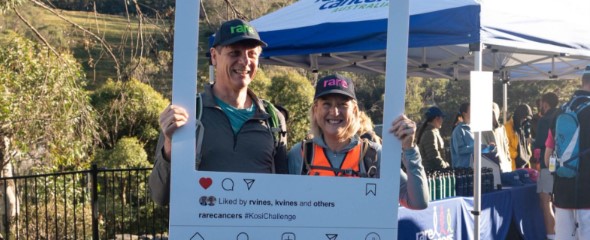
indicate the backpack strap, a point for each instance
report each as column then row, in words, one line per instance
column 199, row 131
column 369, row 159
column 583, row 105
column 567, row 107
column 308, row 152
column 275, row 125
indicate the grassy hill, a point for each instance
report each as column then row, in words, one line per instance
column 124, row 35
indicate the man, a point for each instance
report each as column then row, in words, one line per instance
column 237, row 135
column 572, row 195
column 548, row 109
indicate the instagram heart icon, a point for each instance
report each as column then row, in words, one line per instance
column 205, row 182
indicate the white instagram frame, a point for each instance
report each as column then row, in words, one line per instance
column 219, row 205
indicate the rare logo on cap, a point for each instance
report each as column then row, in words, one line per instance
column 335, row 82
column 241, row 29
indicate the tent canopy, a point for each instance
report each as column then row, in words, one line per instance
column 524, row 39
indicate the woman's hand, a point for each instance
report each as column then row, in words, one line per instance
column 405, row 130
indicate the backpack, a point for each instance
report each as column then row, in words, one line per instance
column 368, row 155
column 276, row 129
column 567, row 131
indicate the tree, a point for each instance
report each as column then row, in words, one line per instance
column 293, row 91
column 128, row 109
column 46, row 120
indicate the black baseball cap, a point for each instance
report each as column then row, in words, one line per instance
column 337, row 84
column 234, row 31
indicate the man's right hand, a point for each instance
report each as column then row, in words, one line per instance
column 172, row 118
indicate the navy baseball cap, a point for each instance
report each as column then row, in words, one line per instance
column 234, row 31
column 334, row 84
column 433, row 112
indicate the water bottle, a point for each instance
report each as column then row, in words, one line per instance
column 552, row 161
column 437, row 187
column 431, row 186
column 453, row 184
column 443, row 186
column 459, row 184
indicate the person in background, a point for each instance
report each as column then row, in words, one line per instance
column 237, row 136
column 535, row 119
column 336, row 148
column 498, row 140
column 548, row 109
column 571, row 196
column 430, row 142
column 458, row 120
column 462, row 140
column 519, row 137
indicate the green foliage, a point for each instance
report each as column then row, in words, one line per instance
column 56, row 207
column 261, row 84
column 414, row 98
column 128, row 108
column 294, row 93
column 370, row 89
column 45, row 112
column 128, row 152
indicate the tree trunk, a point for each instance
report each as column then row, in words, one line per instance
column 9, row 206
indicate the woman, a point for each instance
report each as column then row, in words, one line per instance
column 462, row 140
column 431, row 144
column 336, row 148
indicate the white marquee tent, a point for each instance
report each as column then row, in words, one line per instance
column 524, row 39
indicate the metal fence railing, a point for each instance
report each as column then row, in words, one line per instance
column 90, row 204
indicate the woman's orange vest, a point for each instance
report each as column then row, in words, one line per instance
column 348, row 168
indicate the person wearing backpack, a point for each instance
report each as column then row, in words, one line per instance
column 236, row 131
column 337, row 150
column 571, row 187
column 519, row 136
column 548, row 108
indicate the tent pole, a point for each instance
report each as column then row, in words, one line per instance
column 504, row 100
column 477, row 160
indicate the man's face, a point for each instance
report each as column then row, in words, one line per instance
column 235, row 65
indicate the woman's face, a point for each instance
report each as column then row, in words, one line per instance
column 333, row 114
column 437, row 122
